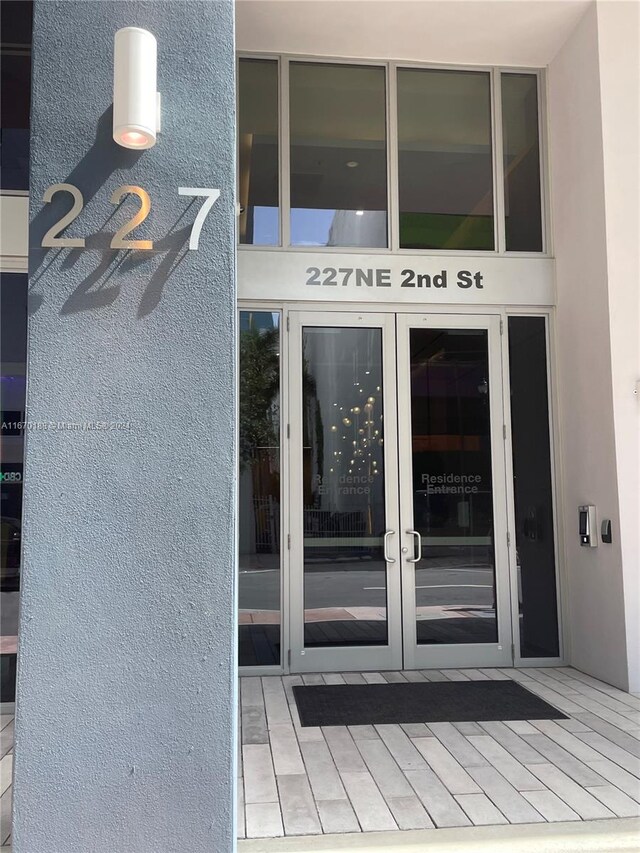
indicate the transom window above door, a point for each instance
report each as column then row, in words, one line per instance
column 379, row 156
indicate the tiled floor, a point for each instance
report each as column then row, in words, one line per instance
column 305, row 781
column 6, row 767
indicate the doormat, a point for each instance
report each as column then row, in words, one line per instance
column 419, row 702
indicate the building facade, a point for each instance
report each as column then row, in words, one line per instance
column 378, row 411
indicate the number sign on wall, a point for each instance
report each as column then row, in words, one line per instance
column 52, row 239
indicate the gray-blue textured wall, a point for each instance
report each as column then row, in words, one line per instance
column 126, row 693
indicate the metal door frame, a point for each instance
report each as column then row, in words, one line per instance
column 471, row 654
column 343, row 658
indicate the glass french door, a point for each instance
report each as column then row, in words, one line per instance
column 453, row 504
column 397, row 550
column 345, row 600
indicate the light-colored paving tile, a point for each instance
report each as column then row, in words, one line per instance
column 240, row 822
column 434, row 675
column 289, row 682
column 557, row 700
column 570, row 792
column 6, row 739
column 374, row 678
column 494, row 674
column 617, row 776
column 513, row 743
column 574, row 725
column 344, row 750
column 413, row 675
column 5, row 815
column 299, row 813
column 363, row 732
column 333, row 678
column 586, row 721
column 568, row 741
column 568, row 763
column 259, row 778
column 619, row 803
column 505, row 763
column 439, row 803
column 550, row 806
column 285, row 750
column 612, row 751
column 311, row 679
column 337, row 816
column 468, row 728
column 622, row 721
column 263, row 820
column 475, row 674
column 386, row 773
column 353, row 678
column 367, row 801
column 251, row 692
column 458, row 745
column 607, row 689
column 455, row 674
column 480, row 809
column 511, row 803
column 275, row 702
column 415, row 730
column 393, row 677
column 323, row 776
column 520, row 727
column 6, row 769
column 453, row 776
column 409, row 813
column 401, row 747
column 254, row 725
column 304, row 733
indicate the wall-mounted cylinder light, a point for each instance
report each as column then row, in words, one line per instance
column 136, row 101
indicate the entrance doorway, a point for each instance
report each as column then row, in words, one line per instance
column 398, row 499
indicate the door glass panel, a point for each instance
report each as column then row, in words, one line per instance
column 532, row 488
column 452, row 486
column 259, row 491
column 338, row 155
column 444, row 159
column 345, row 588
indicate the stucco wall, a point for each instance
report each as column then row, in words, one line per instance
column 619, row 56
column 594, row 593
column 126, row 684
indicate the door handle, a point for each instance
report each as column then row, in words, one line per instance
column 419, row 555
column 387, row 558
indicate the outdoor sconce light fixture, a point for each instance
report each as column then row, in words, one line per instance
column 136, row 101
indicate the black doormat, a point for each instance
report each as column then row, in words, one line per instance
column 419, row 702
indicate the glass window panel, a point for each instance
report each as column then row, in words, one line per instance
column 538, row 610
column 338, row 155
column 452, row 486
column 13, row 346
column 521, row 147
column 258, row 190
column 259, row 491
column 444, row 159
column 345, row 588
column 15, row 94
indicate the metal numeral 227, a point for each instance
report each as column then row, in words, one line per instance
column 118, row 241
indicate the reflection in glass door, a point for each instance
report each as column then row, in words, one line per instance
column 344, row 560
column 453, row 520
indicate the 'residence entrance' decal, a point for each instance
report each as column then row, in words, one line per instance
column 337, row 277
